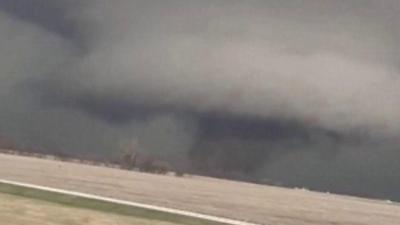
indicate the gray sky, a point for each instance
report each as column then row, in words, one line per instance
column 302, row 92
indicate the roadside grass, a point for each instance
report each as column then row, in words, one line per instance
column 101, row 206
column 16, row 210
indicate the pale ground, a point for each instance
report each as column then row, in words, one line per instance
column 16, row 210
column 256, row 203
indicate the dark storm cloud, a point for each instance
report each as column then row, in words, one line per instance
column 204, row 57
column 305, row 92
column 53, row 16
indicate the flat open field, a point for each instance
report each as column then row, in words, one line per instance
column 16, row 210
column 256, row 203
column 72, row 203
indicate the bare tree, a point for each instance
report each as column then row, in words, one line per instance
column 132, row 158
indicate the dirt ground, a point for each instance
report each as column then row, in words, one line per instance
column 251, row 202
column 16, row 210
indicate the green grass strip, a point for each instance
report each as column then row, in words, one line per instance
column 81, row 202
